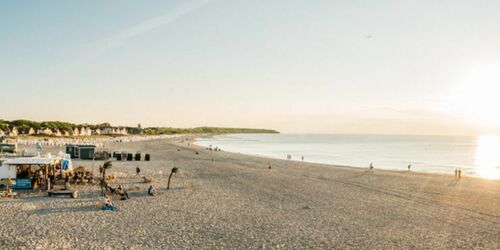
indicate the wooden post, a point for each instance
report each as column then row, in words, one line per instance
column 47, row 177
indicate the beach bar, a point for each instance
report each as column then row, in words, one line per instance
column 31, row 172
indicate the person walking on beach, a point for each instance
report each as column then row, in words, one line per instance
column 137, row 170
column 456, row 173
column 302, row 158
column 371, row 166
column 409, row 167
column 459, row 173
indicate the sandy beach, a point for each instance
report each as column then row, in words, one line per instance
column 227, row 200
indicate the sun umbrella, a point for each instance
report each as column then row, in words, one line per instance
column 8, row 182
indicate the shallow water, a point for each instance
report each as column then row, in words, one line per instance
column 476, row 156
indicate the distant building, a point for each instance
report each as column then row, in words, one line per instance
column 12, row 131
column 107, row 131
column 121, row 131
column 2, row 133
column 76, row 132
column 24, row 131
column 45, row 131
column 139, row 129
column 96, row 131
column 27, row 131
column 65, row 133
column 56, row 132
column 85, row 131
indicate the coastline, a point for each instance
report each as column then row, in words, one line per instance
column 418, row 166
column 340, row 166
column 230, row 200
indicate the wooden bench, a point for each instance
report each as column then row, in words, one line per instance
column 72, row 193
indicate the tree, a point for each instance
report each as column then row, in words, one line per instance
column 25, row 124
column 104, row 185
column 174, row 170
column 4, row 125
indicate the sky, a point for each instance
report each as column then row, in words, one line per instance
column 378, row 67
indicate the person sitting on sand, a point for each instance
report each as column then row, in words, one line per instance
column 89, row 176
column 121, row 191
column 137, row 170
column 152, row 191
column 67, row 185
column 107, row 204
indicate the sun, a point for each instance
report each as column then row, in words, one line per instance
column 478, row 98
column 487, row 158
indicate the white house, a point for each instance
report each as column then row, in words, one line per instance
column 2, row 132
column 107, row 131
column 96, row 132
column 76, row 132
column 13, row 131
column 29, row 131
column 56, row 132
column 121, row 131
column 45, row 131
column 85, row 131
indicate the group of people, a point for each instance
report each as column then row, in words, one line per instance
column 458, row 171
column 82, row 177
column 107, row 204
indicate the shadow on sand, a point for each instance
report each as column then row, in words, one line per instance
column 44, row 211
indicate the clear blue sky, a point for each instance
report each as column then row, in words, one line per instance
column 411, row 67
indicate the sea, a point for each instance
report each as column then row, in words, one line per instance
column 476, row 156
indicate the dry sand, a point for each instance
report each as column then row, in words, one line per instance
column 236, row 202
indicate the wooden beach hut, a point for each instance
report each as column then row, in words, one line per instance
column 82, row 152
column 9, row 148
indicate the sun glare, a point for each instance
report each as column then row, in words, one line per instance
column 487, row 159
column 478, row 98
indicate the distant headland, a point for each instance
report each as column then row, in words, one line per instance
column 66, row 129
